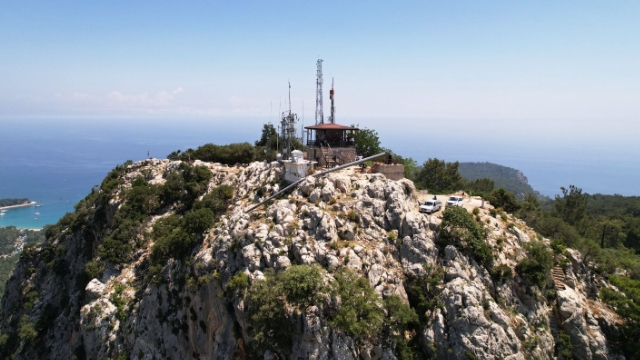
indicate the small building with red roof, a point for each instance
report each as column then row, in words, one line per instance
column 331, row 144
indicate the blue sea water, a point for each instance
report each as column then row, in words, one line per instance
column 56, row 162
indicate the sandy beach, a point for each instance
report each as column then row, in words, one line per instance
column 17, row 206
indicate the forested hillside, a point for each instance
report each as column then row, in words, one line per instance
column 503, row 176
column 11, row 202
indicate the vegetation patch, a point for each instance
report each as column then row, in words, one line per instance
column 461, row 230
column 536, row 268
column 424, row 291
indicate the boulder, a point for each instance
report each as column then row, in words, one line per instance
column 94, row 289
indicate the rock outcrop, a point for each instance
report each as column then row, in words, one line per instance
column 365, row 222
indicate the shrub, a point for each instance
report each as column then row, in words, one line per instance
column 238, row 282
column 501, row 272
column 564, row 346
column 91, row 270
column 558, row 246
column 29, row 251
column 140, row 201
column 226, row 154
column 392, row 236
column 303, row 285
column 217, row 200
column 299, row 286
column 197, row 221
column 26, row 329
column 627, row 305
column 360, row 312
column 114, row 250
column 459, row 228
column 271, row 326
column 351, row 215
column 176, row 236
column 119, row 302
column 537, row 266
column 399, row 315
column 423, row 291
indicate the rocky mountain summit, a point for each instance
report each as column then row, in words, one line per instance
column 163, row 262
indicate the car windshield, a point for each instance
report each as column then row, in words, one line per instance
column 428, row 203
column 453, row 198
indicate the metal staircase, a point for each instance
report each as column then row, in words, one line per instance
column 329, row 161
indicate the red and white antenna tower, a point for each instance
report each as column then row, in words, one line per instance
column 332, row 117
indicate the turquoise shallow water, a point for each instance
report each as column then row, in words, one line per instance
column 56, row 162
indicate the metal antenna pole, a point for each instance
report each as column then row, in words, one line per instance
column 319, row 106
column 289, row 96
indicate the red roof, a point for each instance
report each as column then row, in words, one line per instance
column 330, row 127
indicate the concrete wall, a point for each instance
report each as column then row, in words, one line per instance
column 390, row 171
column 294, row 171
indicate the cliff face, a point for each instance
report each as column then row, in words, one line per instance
column 198, row 306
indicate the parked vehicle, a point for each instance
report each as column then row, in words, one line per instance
column 430, row 206
column 455, row 201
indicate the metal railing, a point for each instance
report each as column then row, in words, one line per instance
column 318, row 143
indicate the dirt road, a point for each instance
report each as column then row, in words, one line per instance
column 470, row 202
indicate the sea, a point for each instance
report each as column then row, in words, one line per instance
column 57, row 161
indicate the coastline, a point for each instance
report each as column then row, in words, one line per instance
column 17, row 206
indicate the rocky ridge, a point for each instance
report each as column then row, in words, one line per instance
column 363, row 222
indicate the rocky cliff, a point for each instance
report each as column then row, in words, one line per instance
column 344, row 267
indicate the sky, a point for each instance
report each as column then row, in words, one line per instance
column 532, row 66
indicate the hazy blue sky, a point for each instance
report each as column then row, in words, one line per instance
column 549, row 61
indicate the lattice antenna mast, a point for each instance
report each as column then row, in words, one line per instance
column 332, row 117
column 319, row 106
column 288, row 129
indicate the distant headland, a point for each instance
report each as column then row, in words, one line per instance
column 14, row 203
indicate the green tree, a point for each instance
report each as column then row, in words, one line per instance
column 530, row 204
column 480, row 186
column 269, row 137
column 504, row 199
column 360, row 313
column 367, row 142
column 572, row 205
column 303, row 285
column 610, row 231
column 410, row 168
column 438, row 176
column 272, row 326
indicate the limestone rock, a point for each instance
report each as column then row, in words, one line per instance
column 94, row 289
column 186, row 309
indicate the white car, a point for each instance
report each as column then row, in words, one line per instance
column 455, row 201
column 430, row 206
